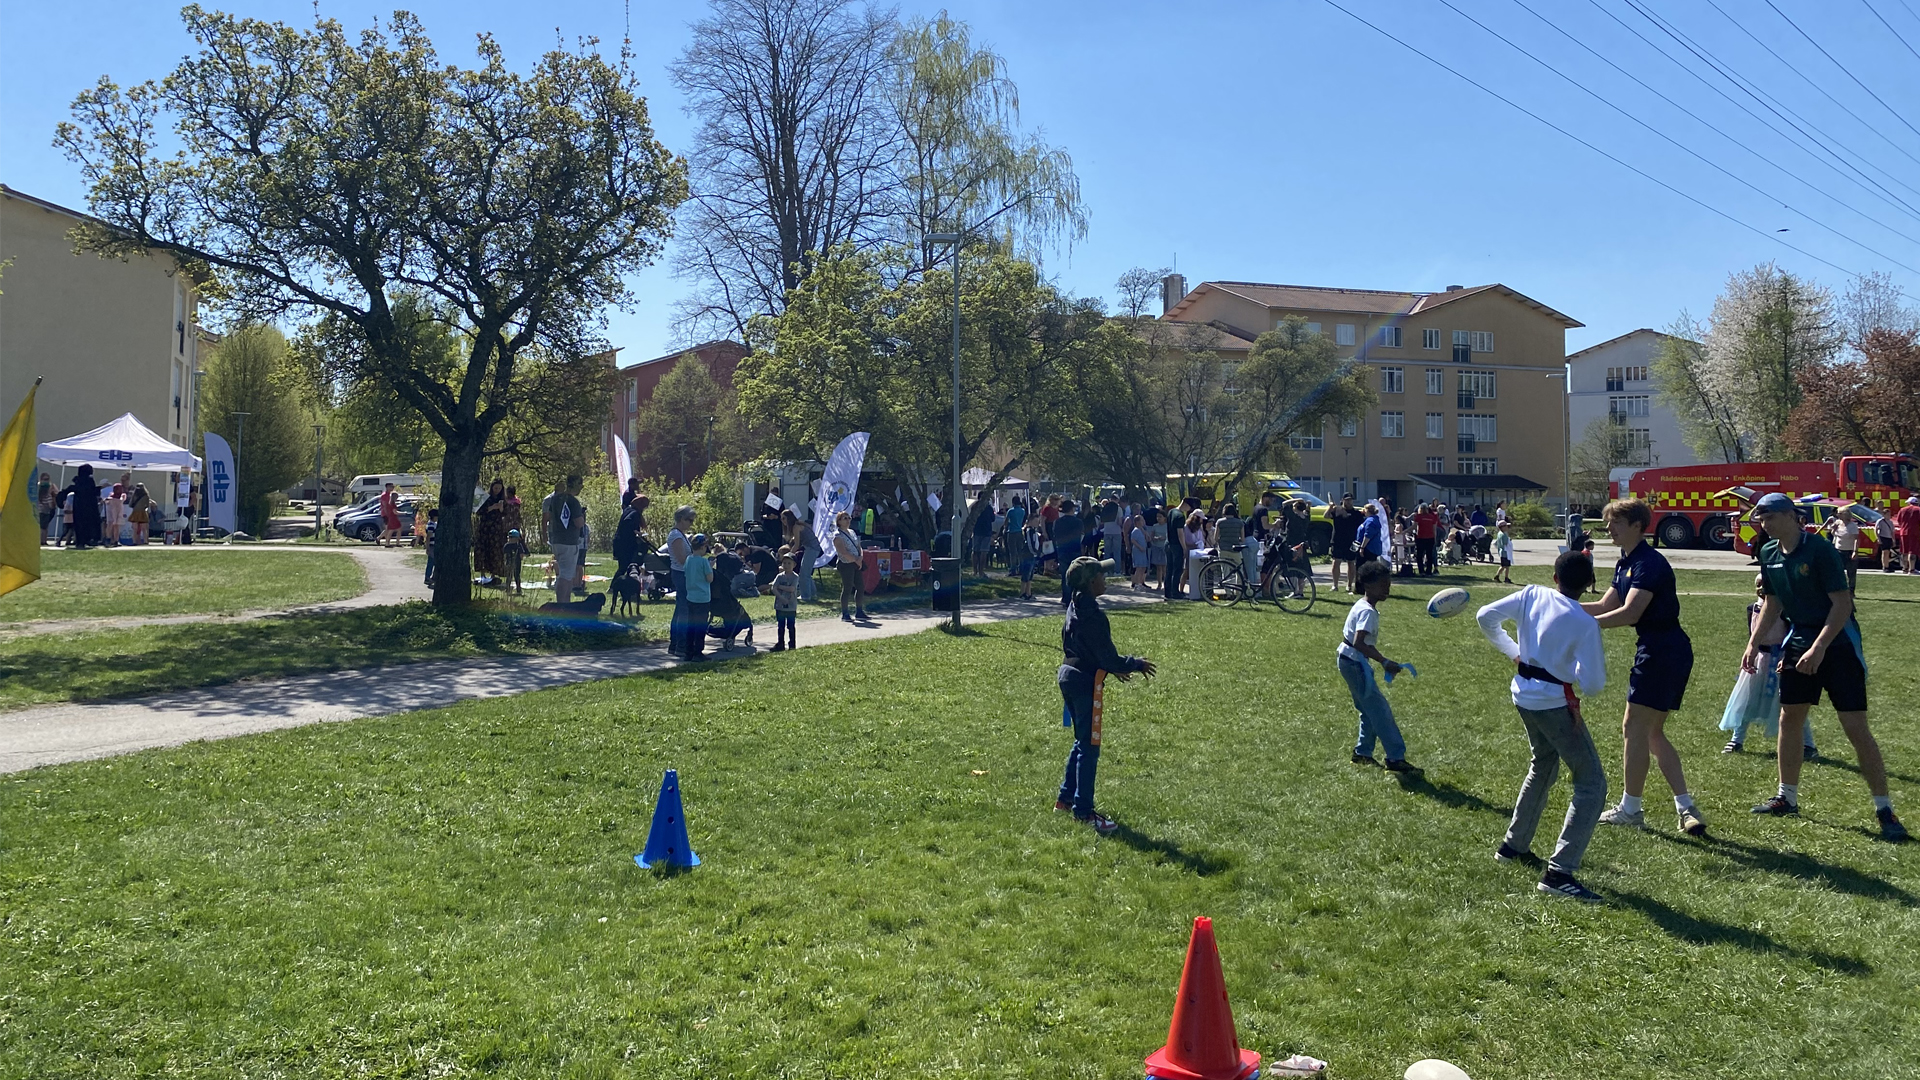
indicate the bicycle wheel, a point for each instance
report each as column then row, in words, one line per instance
column 1294, row 591
column 1221, row 583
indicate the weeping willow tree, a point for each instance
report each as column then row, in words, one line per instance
column 965, row 162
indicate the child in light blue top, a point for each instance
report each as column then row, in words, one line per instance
column 699, row 574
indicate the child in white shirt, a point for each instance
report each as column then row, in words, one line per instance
column 1557, row 647
column 1359, row 646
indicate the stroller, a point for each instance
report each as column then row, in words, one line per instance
column 660, row 567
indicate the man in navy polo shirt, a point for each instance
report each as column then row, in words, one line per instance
column 1644, row 597
column 1806, row 584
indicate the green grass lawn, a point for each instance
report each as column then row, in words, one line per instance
column 885, row 891
column 108, row 583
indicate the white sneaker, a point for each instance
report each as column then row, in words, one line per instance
column 1632, row 819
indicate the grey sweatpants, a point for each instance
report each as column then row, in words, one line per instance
column 1556, row 738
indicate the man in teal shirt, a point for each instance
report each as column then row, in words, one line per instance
column 1806, row 584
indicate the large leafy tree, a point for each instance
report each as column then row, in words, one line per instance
column 312, row 173
column 690, row 413
column 852, row 352
column 252, row 398
column 1864, row 404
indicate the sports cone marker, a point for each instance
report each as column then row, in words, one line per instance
column 667, row 843
column 1201, row 1042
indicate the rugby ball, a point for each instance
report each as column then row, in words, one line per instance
column 1434, row 1068
column 1447, row 603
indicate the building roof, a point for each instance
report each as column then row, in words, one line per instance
column 45, row 205
column 1614, row 341
column 678, row 353
column 1357, row 301
column 1214, row 335
column 1472, row 482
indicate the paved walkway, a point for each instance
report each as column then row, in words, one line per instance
column 50, row 734
column 391, row 579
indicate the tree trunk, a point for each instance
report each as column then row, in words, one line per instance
column 453, row 540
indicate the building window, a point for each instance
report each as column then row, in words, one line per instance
column 1480, row 427
column 1636, row 447
column 1393, row 425
column 1349, row 427
column 1306, row 442
column 1343, row 333
column 1436, row 427
column 1308, row 483
column 1430, row 339
column 1619, row 409
column 1436, row 378
column 633, row 432
column 633, row 394
column 1436, row 464
column 1393, row 380
column 1482, row 340
column 1313, row 328
column 1479, row 466
column 1619, row 377
column 1390, row 337
column 1475, row 386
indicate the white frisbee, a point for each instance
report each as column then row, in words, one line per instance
column 1448, row 602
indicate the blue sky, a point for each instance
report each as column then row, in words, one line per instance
column 1287, row 142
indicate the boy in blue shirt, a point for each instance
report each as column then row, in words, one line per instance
column 1805, row 583
column 699, row 597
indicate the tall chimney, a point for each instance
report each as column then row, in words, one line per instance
column 1455, row 288
column 1173, row 288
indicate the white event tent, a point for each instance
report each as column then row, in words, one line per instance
column 124, row 444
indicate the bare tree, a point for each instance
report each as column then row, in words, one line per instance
column 1137, row 288
column 793, row 154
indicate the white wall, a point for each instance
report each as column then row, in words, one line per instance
column 1589, row 400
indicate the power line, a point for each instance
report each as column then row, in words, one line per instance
column 1690, row 151
column 1767, row 101
column 1636, row 170
column 1868, row 4
column 1789, row 65
column 1718, row 131
column 1842, row 67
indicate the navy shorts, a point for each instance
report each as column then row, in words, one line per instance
column 1841, row 675
column 1662, row 664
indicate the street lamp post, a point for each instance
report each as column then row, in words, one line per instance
column 710, row 420
column 956, row 240
column 1565, row 375
column 239, row 455
column 319, row 449
column 683, row 464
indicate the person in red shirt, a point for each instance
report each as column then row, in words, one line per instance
column 1426, row 526
column 1908, row 522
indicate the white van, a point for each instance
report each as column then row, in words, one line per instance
column 368, row 486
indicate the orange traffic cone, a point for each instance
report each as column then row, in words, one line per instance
column 1201, row 1043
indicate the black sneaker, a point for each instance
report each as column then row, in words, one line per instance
column 1503, row 853
column 1808, row 753
column 1364, row 759
column 1777, row 806
column 1554, row 883
column 1101, row 823
column 1890, row 828
column 1402, row 765
column 1733, row 747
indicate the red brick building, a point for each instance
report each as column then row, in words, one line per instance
column 637, row 382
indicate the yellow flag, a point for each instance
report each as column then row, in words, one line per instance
column 19, row 521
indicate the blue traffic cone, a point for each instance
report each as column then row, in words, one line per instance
column 667, row 843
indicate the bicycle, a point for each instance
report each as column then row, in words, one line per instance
column 1288, row 584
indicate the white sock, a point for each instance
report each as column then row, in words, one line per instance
column 1883, row 802
column 1630, row 803
column 1791, row 793
column 1683, row 802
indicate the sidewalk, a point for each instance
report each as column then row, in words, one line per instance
column 51, row 734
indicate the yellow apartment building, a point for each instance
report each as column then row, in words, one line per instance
column 1472, row 385
column 110, row 335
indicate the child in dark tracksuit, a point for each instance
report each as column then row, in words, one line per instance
column 1086, row 641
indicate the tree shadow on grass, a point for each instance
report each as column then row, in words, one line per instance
column 1447, row 795
column 1805, row 867
column 1695, row 930
column 1199, row 865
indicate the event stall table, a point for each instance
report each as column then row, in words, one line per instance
column 886, row 564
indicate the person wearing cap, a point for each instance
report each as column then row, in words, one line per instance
column 1088, row 657
column 1804, row 583
column 1908, row 522
column 1645, row 596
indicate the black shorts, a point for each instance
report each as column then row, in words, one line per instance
column 1841, row 675
column 1662, row 664
column 1346, row 552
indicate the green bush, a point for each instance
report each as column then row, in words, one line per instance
column 1532, row 520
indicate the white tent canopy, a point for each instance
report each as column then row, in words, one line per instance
column 125, row 444
column 977, row 478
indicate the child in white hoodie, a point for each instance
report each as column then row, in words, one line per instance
column 1557, row 647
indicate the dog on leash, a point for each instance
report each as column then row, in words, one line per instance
column 628, row 588
column 590, row 606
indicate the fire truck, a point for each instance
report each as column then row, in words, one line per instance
column 1699, row 504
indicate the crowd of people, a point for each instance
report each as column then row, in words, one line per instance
column 89, row 514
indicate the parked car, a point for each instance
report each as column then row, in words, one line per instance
column 362, row 522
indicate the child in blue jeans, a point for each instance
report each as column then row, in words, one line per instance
column 1359, row 646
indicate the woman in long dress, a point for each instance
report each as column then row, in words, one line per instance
column 490, row 534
